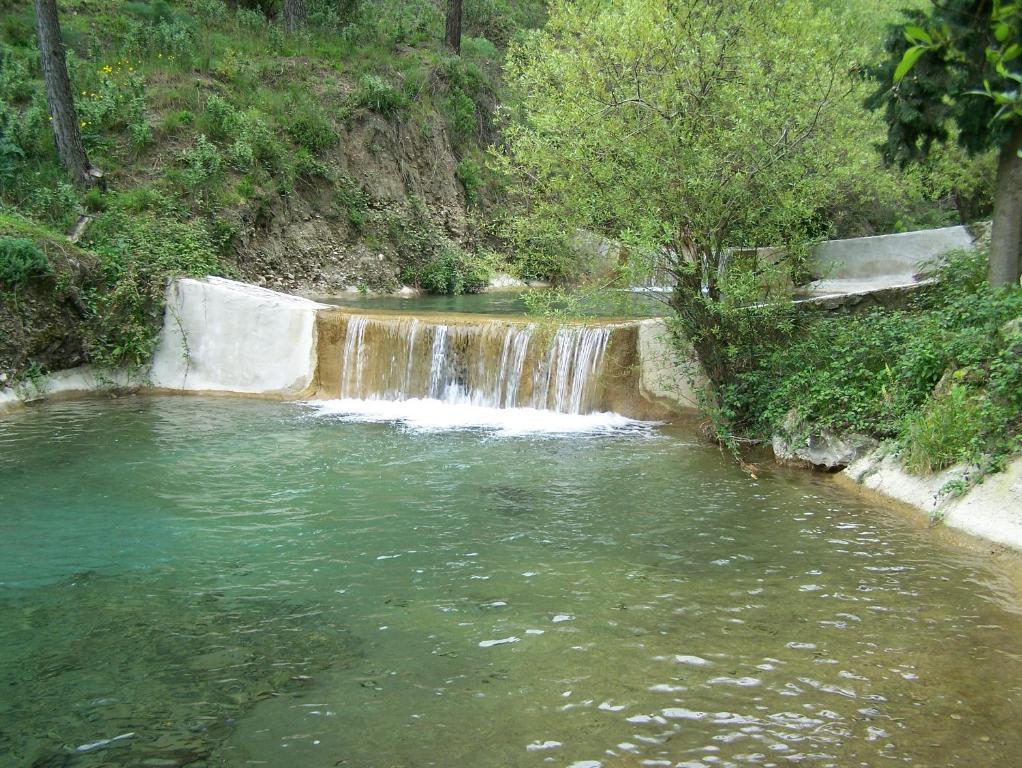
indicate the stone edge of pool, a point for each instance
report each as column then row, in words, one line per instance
column 223, row 337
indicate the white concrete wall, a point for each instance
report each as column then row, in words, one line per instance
column 224, row 336
column 665, row 374
column 71, row 383
column 991, row 510
column 904, row 254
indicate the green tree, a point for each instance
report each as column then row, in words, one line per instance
column 693, row 128
column 952, row 72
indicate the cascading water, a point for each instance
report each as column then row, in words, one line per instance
column 491, row 364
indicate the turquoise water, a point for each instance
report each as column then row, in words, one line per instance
column 503, row 303
column 219, row 582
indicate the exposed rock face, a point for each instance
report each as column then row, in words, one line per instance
column 394, row 178
column 46, row 321
column 824, row 449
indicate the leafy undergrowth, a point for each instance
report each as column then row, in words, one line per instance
column 942, row 377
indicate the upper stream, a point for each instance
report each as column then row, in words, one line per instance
column 225, row 582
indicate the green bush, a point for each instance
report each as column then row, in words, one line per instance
column 220, row 120
column 461, row 115
column 470, row 174
column 202, row 170
column 379, row 96
column 11, row 153
column 309, row 128
column 352, row 199
column 307, row 168
column 255, row 143
column 452, row 271
column 153, row 12
column 876, row 373
column 21, row 260
column 138, row 253
column 946, row 431
column 502, row 20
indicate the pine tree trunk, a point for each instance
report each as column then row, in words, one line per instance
column 59, row 96
column 452, row 37
column 294, row 14
column 1006, row 233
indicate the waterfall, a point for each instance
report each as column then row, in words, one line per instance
column 494, row 363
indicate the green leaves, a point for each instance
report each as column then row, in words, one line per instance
column 922, row 41
column 918, row 35
column 908, row 61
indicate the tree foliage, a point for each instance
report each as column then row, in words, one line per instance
column 692, row 127
column 933, row 79
column 694, row 130
column 956, row 71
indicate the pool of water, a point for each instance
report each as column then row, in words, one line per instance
column 188, row 581
column 608, row 304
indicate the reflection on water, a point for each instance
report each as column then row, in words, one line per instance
column 607, row 304
column 233, row 583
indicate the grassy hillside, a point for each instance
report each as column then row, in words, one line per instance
column 349, row 154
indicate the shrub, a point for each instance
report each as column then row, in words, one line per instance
column 453, row 271
column 176, row 121
column 20, row 260
column 309, row 128
column 56, row 203
column 461, row 115
column 470, row 174
column 307, row 168
column 220, row 119
column 139, row 252
column 946, row 431
column 876, row 373
column 379, row 96
column 203, row 167
column 479, row 48
column 352, row 199
column 114, row 101
column 11, row 152
column 502, row 20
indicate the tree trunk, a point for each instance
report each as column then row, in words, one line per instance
column 294, row 14
column 59, row 96
column 452, row 37
column 1006, row 233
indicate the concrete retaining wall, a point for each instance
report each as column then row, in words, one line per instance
column 225, row 336
column 991, row 510
column 667, row 375
column 66, row 385
column 903, row 254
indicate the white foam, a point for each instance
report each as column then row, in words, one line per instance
column 697, row 661
column 502, row 641
column 428, row 415
column 539, row 746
